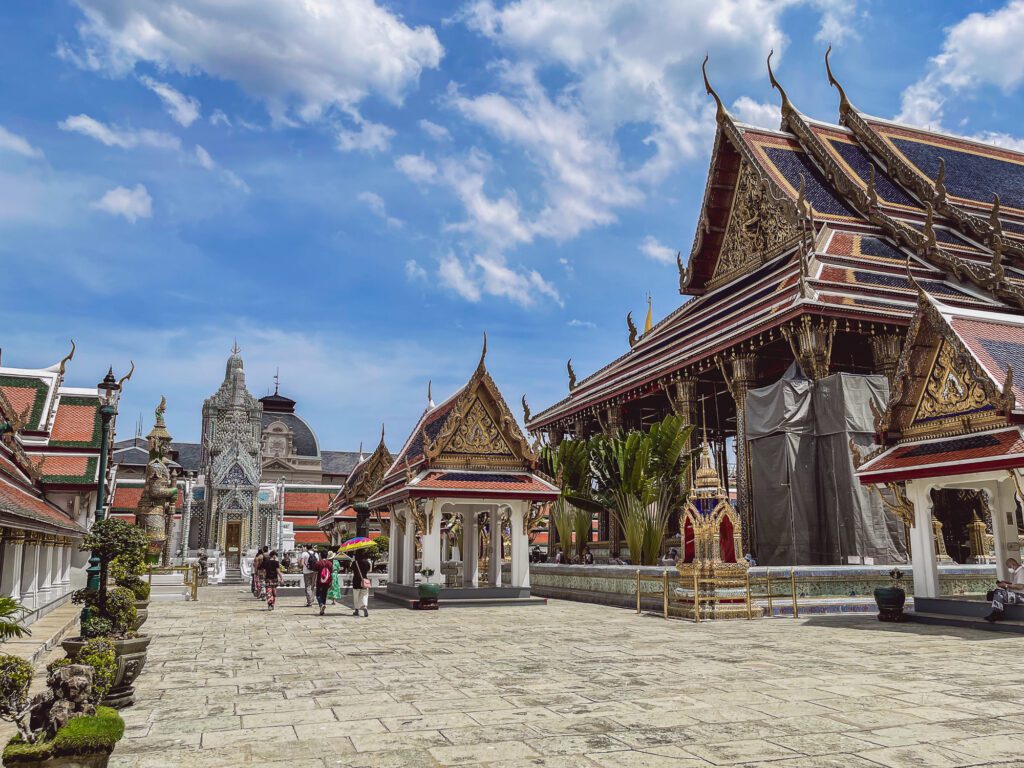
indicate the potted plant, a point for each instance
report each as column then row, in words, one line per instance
column 891, row 597
column 11, row 614
column 126, row 568
column 426, row 590
column 61, row 726
column 111, row 612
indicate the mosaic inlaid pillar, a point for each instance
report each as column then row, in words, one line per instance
column 30, row 572
column 885, row 352
column 684, row 403
column 742, row 376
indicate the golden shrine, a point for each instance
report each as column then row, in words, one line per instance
column 711, row 566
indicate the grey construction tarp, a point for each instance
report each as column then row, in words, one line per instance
column 809, row 508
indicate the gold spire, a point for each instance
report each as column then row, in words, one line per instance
column 649, row 322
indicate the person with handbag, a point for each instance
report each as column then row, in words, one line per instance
column 323, row 572
column 272, row 575
column 361, row 582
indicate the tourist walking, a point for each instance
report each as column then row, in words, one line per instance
column 361, row 583
column 258, row 572
column 308, row 560
column 271, row 576
column 334, row 593
column 323, row 581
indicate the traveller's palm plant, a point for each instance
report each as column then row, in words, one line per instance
column 572, row 512
column 11, row 615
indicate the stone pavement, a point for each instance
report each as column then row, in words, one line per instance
column 567, row 684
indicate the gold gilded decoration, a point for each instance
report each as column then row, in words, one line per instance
column 478, row 434
column 572, row 375
column 811, row 344
column 759, row 226
column 950, row 389
column 632, row 329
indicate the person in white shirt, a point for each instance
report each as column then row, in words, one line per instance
column 1007, row 592
column 308, row 574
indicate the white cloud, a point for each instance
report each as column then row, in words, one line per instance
column 574, row 323
column 12, row 142
column 652, row 249
column 489, row 275
column 369, row 137
column 414, row 272
column 113, row 136
column 837, row 21
column 183, row 109
column 763, row 115
column 218, row 117
column 435, row 131
column 133, row 204
column 297, row 56
column 376, row 204
column 983, row 49
column 206, row 162
column 417, row 168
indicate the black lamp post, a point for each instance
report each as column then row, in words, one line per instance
column 108, row 388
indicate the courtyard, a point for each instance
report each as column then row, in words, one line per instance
column 567, row 684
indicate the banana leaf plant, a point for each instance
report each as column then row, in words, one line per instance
column 638, row 478
column 572, row 512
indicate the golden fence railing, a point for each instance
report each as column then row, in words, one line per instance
column 191, row 576
column 700, row 591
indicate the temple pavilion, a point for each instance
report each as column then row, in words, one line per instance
column 811, row 244
column 953, row 425
column 462, row 496
column 349, row 514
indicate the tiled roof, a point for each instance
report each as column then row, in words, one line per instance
column 26, row 392
column 23, row 507
column 77, row 423
column 315, row 500
column 996, row 449
column 189, row 455
column 339, row 462
column 126, row 497
column 303, row 437
column 67, row 469
column 310, row 537
column 996, row 346
column 479, row 481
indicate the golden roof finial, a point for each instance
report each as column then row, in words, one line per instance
column 720, row 113
column 126, row 377
column 786, row 104
column 430, row 396
column 572, row 375
column 844, row 103
column 993, row 219
column 632, row 328
column 483, row 352
column 382, row 433
column 65, row 360
column 526, row 409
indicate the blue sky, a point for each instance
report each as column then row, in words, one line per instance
column 356, row 190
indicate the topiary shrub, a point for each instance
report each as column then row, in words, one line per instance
column 97, row 734
column 15, row 679
column 138, row 587
column 98, row 653
column 115, row 616
column 109, row 540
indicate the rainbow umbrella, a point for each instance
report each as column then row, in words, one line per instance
column 359, row 542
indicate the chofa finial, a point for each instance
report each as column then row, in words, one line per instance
column 844, row 103
column 483, row 352
column 126, row 377
column 632, row 329
column 787, row 106
column 721, row 112
column 430, row 395
column 526, row 409
column 572, row 375
column 382, row 433
column 65, row 360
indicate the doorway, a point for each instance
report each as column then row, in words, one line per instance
column 233, row 544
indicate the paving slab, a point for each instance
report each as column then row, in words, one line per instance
column 569, row 684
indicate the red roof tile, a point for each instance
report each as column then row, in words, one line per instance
column 77, row 421
column 313, row 500
column 24, row 506
column 484, row 482
column 126, row 497
column 310, row 537
column 948, row 456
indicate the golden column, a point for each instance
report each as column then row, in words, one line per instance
column 885, row 351
column 684, row 404
column 740, row 374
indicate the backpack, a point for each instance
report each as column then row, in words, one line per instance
column 311, row 562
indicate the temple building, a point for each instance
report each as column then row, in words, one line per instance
column 349, row 514
column 811, row 244
column 463, row 495
column 51, row 442
column 258, row 476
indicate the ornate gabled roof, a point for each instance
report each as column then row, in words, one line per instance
column 824, row 219
column 956, row 373
column 473, row 430
column 366, row 477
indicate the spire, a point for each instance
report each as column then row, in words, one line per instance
column 844, row 103
column 382, row 433
column 235, row 349
column 705, row 479
column 277, row 380
column 786, row 104
column 720, row 111
column 649, row 322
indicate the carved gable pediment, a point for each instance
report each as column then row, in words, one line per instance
column 759, row 228
column 949, row 390
column 478, row 434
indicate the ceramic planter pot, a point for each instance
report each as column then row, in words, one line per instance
column 890, row 601
column 429, row 591
column 141, row 613
column 131, row 658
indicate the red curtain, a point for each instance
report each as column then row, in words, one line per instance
column 688, row 541
column 725, row 542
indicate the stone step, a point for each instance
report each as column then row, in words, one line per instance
column 970, row 622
